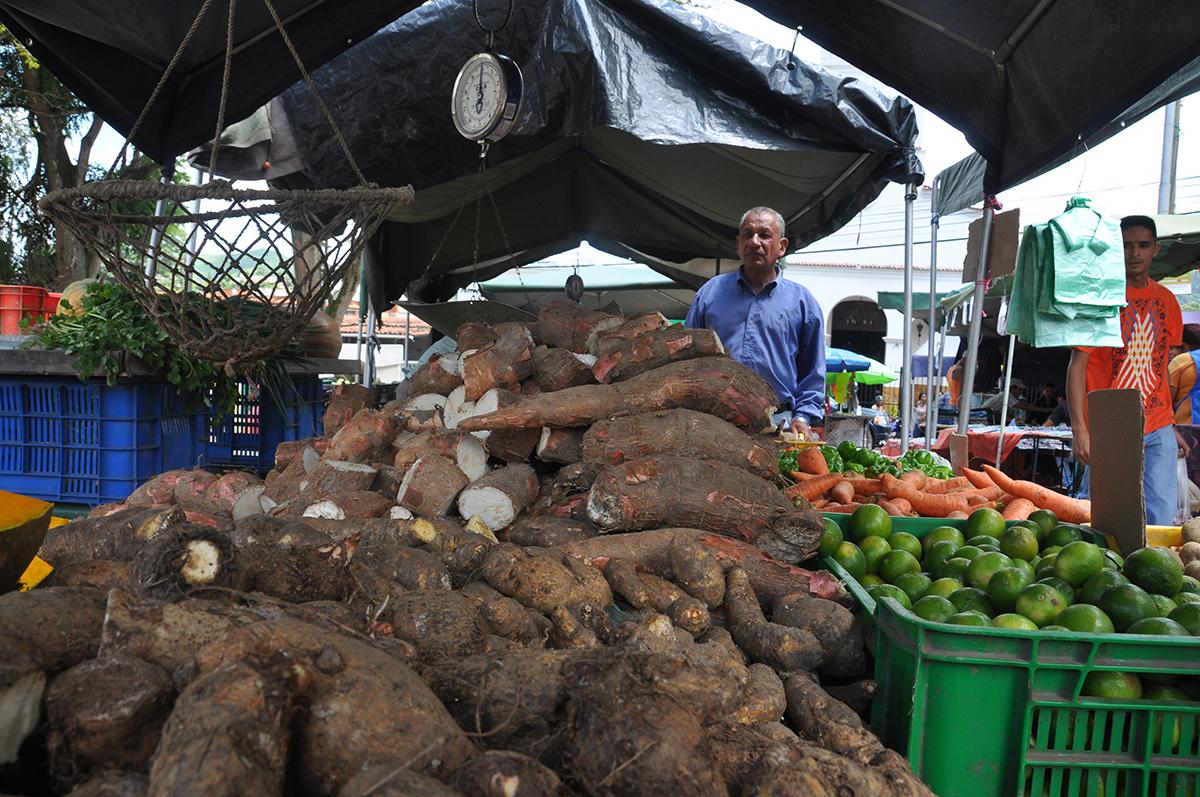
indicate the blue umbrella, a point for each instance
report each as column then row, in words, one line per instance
column 839, row 360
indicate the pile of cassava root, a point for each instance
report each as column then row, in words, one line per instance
column 545, row 573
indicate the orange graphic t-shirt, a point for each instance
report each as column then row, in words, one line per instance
column 1150, row 324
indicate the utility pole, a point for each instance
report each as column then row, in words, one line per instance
column 1170, row 158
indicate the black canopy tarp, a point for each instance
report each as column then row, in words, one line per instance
column 644, row 126
column 111, row 53
column 1026, row 81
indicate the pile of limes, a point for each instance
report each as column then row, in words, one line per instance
column 1035, row 574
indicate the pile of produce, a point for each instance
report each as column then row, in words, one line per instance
column 1037, row 573
column 915, row 485
column 548, row 572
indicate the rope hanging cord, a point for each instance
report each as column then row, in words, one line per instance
column 253, row 272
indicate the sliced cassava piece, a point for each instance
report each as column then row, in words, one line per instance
column 571, row 326
column 344, row 402
column 362, row 437
column 510, row 445
column 355, row 505
column 460, row 447
column 334, row 477
column 457, row 408
column 430, row 486
column 158, row 490
column 498, row 497
column 503, row 364
column 190, row 489
column 287, row 450
column 556, row 369
column 622, row 359
column 560, row 444
column 23, row 525
column 720, row 386
column 681, row 433
column 440, row 374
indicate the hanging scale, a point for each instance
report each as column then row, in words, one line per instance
column 487, row 91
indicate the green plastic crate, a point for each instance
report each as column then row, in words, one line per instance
column 989, row 712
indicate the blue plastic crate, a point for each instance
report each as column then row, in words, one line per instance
column 258, row 425
column 62, row 439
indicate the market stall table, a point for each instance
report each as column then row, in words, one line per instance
column 983, row 441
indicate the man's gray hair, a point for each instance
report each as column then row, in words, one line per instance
column 778, row 218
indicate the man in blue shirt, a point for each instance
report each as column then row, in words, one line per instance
column 771, row 324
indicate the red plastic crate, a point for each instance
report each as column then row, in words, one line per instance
column 50, row 303
column 16, row 302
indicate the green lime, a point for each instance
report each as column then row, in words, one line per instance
column 1158, row 626
column 934, row 608
column 1014, row 622
column 1085, row 619
column 1050, row 550
column 894, row 563
column 1065, row 589
column 1077, row 562
column 970, row 599
column 1190, row 585
column 1159, row 692
column 1045, row 520
column 1063, row 534
column 872, row 580
column 874, row 549
column 1107, row 683
column 1005, row 585
column 1019, row 542
column 1054, row 627
column 1112, row 560
column 869, row 520
column 956, row 569
column 903, row 541
column 983, row 566
column 943, row 533
column 980, row 540
column 1041, row 603
column 1125, row 604
column 1021, row 564
column 1165, row 605
column 1181, row 598
column 1094, row 587
column 851, row 558
column 913, row 584
column 831, row 539
column 943, row 587
column 970, row 618
column 1155, row 570
column 989, row 548
column 892, row 591
column 1188, row 616
column 938, row 554
column 1046, row 566
column 985, row 521
column 968, row 552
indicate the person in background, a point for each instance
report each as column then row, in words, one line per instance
column 1046, row 397
column 1061, row 414
column 1015, row 402
column 954, row 377
column 1151, row 322
column 1181, row 376
column 920, row 412
column 879, row 405
column 773, row 325
column 943, row 401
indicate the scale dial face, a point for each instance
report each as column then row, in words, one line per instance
column 487, row 95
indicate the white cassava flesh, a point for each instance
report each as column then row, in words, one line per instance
column 325, row 509
column 400, row 513
column 471, row 457
column 203, row 562
column 425, row 401
column 249, row 503
column 457, row 408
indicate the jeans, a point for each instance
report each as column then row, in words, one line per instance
column 1160, row 480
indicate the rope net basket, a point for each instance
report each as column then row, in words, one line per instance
column 229, row 286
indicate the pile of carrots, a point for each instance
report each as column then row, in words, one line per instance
column 914, row 494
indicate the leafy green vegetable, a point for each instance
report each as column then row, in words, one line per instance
column 832, row 459
column 112, row 321
column 787, row 460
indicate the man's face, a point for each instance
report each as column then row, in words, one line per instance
column 758, row 241
column 1140, row 249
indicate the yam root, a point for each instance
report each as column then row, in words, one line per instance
column 782, row 647
column 697, row 571
column 544, row 579
column 678, row 432
column 116, row 537
column 719, row 386
column 835, row 627
column 60, row 626
column 188, row 557
column 644, row 589
column 547, row 531
column 829, row 723
column 440, row 624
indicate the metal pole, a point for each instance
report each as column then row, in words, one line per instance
column 156, row 233
column 369, row 364
column 362, row 314
column 934, row 370
column 964, row 405
column 906, row 409
column 1012, row 342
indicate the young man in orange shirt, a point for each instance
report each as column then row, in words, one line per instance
column 1151, row 323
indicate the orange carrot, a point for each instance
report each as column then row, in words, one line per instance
column 1018, row 509
column 1067, row 509
column 819, row 503
column 841, row 509
column 902, row 504
column 916, row 478
column 842, row 493
column 978, row 478
column 865, row 486
column 976, row 500
column 813, row 488
column 944, row 486
column 923, row 504
column 892, row 509
column 810, row 460
column 957, row 515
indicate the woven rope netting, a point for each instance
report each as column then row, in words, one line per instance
column 233, row 285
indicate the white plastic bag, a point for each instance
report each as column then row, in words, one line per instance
column 1184, row 510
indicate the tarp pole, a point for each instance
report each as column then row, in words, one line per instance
column 369, row 364
column 985, row 241
column 1012, row 343
column 906, row 409
column 933, row 371
column 941, row 358
column 362, row 314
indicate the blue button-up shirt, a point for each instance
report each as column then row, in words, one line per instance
column 779, row 332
